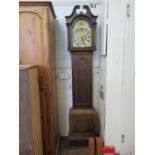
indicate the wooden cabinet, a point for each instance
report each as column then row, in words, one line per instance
column 36, row 30
column 29, row 112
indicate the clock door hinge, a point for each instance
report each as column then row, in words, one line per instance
column 128, row 10
column 123, row 138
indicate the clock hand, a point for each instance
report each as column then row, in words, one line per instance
column 83, row 40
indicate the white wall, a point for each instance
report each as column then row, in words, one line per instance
column 63, row 61
column 102, row 72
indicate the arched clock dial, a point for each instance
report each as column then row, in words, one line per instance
column 81, row 34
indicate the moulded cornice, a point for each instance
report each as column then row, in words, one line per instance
column 74, row 2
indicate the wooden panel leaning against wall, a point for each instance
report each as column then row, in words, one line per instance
column 36, row 23
column 30, row 137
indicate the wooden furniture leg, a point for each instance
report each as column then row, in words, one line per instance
column 99, row 144
column 91, row 143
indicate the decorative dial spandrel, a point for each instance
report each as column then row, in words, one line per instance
column 81, row 34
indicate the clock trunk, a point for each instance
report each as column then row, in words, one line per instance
column 82, row 79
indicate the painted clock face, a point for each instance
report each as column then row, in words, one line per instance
column 81, row 34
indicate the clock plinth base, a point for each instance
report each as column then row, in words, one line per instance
column 82, row 125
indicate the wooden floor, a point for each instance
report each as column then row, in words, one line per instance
column 66, row 149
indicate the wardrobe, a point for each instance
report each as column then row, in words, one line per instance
column 37, row 47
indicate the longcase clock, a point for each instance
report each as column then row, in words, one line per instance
column 81, row 29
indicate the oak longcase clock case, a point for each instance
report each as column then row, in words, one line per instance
column 81, row 29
